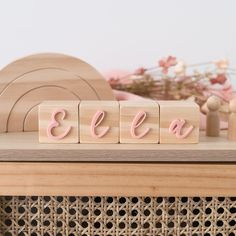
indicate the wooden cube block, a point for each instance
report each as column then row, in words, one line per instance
column 179, row 122
column 99, row 122
column 59, row 122
column 139, row 122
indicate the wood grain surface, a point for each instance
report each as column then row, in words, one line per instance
column 71, row 109
column 106, row 179
column 87, row 110
column 172, row 110
column 128, row 111
column 25, row 147
column 27, row 82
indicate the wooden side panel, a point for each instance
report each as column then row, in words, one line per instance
column 117, row 179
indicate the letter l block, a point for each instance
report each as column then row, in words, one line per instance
column 139, row 122
column 99, row 122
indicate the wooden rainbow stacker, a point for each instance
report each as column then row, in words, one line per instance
column 118, row 122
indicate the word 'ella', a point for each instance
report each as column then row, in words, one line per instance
column 118, row 122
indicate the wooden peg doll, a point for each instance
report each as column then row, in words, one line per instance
column 232, row 120
column 213, row 118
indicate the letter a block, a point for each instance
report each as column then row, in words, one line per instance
column 99, row 122
column 139, row 122
column 179, row 122
column 59, row 122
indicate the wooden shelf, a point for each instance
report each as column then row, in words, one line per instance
column 25, row 147
column 30, row 168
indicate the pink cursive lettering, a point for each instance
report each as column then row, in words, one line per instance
column 137, row 121
column 54, row 124
column 96, row 120
column 176, row 127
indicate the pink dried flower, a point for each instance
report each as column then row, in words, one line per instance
column 219, row 79
column 113, row 81
column 140, row 71
column 166, row 63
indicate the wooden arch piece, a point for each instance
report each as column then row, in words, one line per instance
column 25, row 83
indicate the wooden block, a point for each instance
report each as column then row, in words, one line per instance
column 232, row 120
column 179, row 122
column 99, row 122
column 139, row 122
column 58, row 122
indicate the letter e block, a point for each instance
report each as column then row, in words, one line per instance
column 58, row 122
column 139, row 122
column 179, row 122
column 99, row 122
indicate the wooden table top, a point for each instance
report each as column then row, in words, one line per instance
column 25, row 147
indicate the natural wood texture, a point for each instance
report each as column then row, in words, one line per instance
column 117, row 179
column 87, row 112
column 70, row 121
column 213, row 117
column 232, row 120
column 128, row 111
column 27, row 82
column 25, row 147
column 172, row 110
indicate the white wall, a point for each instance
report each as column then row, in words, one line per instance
column 119, row 33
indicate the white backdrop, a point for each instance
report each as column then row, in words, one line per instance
column 119, row 33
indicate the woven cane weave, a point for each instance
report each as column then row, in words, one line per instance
column 103, row 216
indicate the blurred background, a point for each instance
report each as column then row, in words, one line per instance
column 120, row 33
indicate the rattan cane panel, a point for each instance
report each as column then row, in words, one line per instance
column 101, row 216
